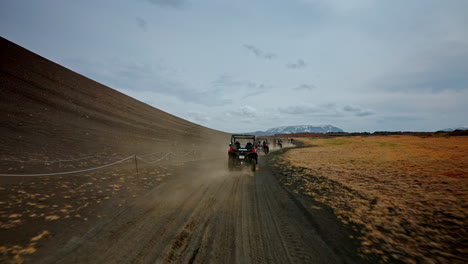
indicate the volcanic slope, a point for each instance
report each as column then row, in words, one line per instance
column 46, row 108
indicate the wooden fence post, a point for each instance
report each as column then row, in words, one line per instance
column 136, row 168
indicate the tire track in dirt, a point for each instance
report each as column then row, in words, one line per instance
column 185, row 215
column 205, row 214
column 222, row 226
column 194, row 228
column 299, row 240
column 158, row 236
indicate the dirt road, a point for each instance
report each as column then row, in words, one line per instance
column 205, row 214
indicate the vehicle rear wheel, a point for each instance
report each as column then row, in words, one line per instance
column 230, row 163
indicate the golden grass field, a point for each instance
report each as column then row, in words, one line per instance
column 406, row 195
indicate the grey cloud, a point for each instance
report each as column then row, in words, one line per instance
column 432, row 81
column 141, row 23
column 146, row 77
column 245, row 96
column 365, row 113
column 247, row 111
column 244, row 112
column 440, row 70
column 169, row 3
column 111, row 71
column 325, row 110
column 260, row 53
column 212, row 97
column 300, row 64
column 245, row 87
column 305, row 87
column 357, row 111
column 225, row 80
column 400, row 118
column 269, row 56
column 256, row 89
column 300, row 109
column 253, row 93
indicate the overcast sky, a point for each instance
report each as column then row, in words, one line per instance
column 247, row 65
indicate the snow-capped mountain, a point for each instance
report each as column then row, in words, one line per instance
column 303, row 129
column 297, row 129
column 454, row 128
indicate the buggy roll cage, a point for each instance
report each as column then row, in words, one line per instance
column 241, row 136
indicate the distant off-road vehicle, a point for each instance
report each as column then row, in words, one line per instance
column 263, row 144
column 278, row 141
column 242, row 152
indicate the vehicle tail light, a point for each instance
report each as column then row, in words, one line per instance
column 253, row 150
column 231, row 150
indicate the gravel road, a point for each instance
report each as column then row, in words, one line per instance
column 205, row 214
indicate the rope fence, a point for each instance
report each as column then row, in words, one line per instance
column 135, row 157
column 49, row 161
column 76, row 159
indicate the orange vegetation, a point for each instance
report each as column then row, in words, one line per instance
column 408, row 195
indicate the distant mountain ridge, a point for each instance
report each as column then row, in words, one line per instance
column 454, row 128
column 297, row 129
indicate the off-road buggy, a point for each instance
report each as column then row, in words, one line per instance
column 278, row 141
column 263, row 144
column 242, row 152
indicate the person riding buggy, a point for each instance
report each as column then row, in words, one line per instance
column 265, row 146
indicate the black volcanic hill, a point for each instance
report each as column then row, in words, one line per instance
column 48, row 109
